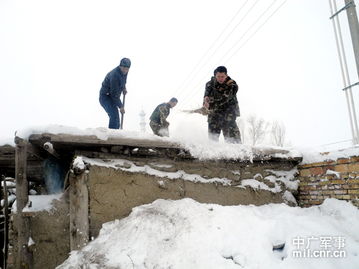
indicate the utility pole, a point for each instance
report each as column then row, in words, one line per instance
column 354, row 32
column 354, row 29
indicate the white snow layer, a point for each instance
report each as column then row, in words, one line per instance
column 316, row 157
column 39, row 203
column 185, row 234
column 191, row 139
column 128, row 166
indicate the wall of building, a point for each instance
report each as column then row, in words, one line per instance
column 114, row 188
column 330, row 179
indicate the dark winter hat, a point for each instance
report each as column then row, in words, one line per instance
column 125, row 62
column 174, row 100
column 220, row 69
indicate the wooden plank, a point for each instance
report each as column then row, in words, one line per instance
column 25, row 257
column 79, row 217
column 6, row 223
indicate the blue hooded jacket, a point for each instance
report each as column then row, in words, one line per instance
column 113, row 85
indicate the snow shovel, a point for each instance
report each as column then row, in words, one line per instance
column 122, row 113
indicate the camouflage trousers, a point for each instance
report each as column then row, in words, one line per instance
column 225, row 122
column 159, row 129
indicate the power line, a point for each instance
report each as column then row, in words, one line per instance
column 250, row 37
column 260, row 17
column 212, row 45
column 195, row 71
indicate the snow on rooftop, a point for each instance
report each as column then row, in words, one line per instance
column 194, row 139
column 316, row 157
column 7, row 141
column 187, row 234
column 196, row 143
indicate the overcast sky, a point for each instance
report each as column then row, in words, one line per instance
column 55, row 55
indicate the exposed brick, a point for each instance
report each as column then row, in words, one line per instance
column 341, row 191
column 354, row 159
column 304, row 173
column 353, row 167
column 343, row 168
column 310, row 165
column 331, row 177
column 343, row 160
column 353, row 192
column 346, row 197
column 304, row 166
column 329, row 192
column 314, row 193
column 317, row 171
column 354, row 186
column 314, row 179
column 353, row 181
column 338, row 181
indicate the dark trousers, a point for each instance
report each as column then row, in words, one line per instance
column 111, row 110
column 225, row 122
column 158, row 129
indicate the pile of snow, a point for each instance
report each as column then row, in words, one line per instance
column 39, row 203
column 187, row 234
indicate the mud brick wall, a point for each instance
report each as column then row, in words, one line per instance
column 330, row 179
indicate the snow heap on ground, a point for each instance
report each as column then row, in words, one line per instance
column 186, row 234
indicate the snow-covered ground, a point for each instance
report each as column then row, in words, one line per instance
column 187, row 234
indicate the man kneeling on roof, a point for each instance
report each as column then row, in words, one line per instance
column 158, row 123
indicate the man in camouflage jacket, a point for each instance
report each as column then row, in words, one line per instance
column 220, row 98
column 159, row 123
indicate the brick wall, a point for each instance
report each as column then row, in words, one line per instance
column 330, row 179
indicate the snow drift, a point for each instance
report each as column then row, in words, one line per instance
column 187, row 234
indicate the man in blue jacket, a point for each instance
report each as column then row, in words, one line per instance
column 113, row 85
